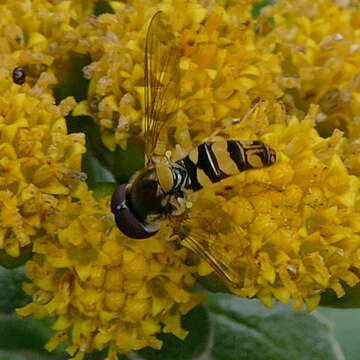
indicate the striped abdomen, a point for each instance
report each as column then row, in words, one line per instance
column 212, row 162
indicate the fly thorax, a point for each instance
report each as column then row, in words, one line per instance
column 172, row 180
column 181, row 179
column 165, row 177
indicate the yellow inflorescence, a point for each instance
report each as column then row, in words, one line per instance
column 290, row 231
column 319, row 44
column 40, row 166
column 295, row 52
column 105, row 290
column 321, row 55
column 297, row 230
column 222, row 70
column 39, row 162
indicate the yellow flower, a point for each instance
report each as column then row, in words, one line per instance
column 39, row 162
column 222, row 70
column 106, row 290
column 319, row 43
column 39, row 35
column 294, row 227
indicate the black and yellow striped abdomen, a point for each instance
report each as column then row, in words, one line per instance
column 212, row 162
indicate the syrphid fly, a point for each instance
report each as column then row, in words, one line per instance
column 164, row 187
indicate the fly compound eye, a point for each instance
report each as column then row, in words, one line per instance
column 125, row 219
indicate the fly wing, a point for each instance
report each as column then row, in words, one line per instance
column 161, row 79
column 212, row 234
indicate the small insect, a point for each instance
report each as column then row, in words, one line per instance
column 162, row 188
column 18, row 75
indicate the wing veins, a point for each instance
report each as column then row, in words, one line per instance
column 160, row 102
column 194, row 242
column 161, row 72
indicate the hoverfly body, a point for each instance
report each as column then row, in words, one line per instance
column 161, row 189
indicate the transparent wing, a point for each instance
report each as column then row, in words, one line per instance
column 161, row 79
column 213, row 236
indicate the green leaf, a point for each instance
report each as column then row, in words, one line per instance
column 11, row 262
column 102, row 189
column 102, row 7
column 98, row 159
column 21, row 339
column 127, row 162
column 231, row 328
column 195, row 344
column 96, row 355
column 72, row 81
column 101, row 164
column 27, row 333
column 350, row 300
column 101, row 355
column 25, row 339
column 11, row 295
column 346, row 324
column 95, row 171
column 29, row 355
column 245, row 329
column 256, row 9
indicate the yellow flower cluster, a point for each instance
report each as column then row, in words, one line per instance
column 222, row 71
column 292, row 51
column 319, row 45
column 297, row 222
column 105, row 290
column 39, row 162
column 39, row 35
column 293, row 229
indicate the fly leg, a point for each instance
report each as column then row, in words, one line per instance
column 235, row 122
